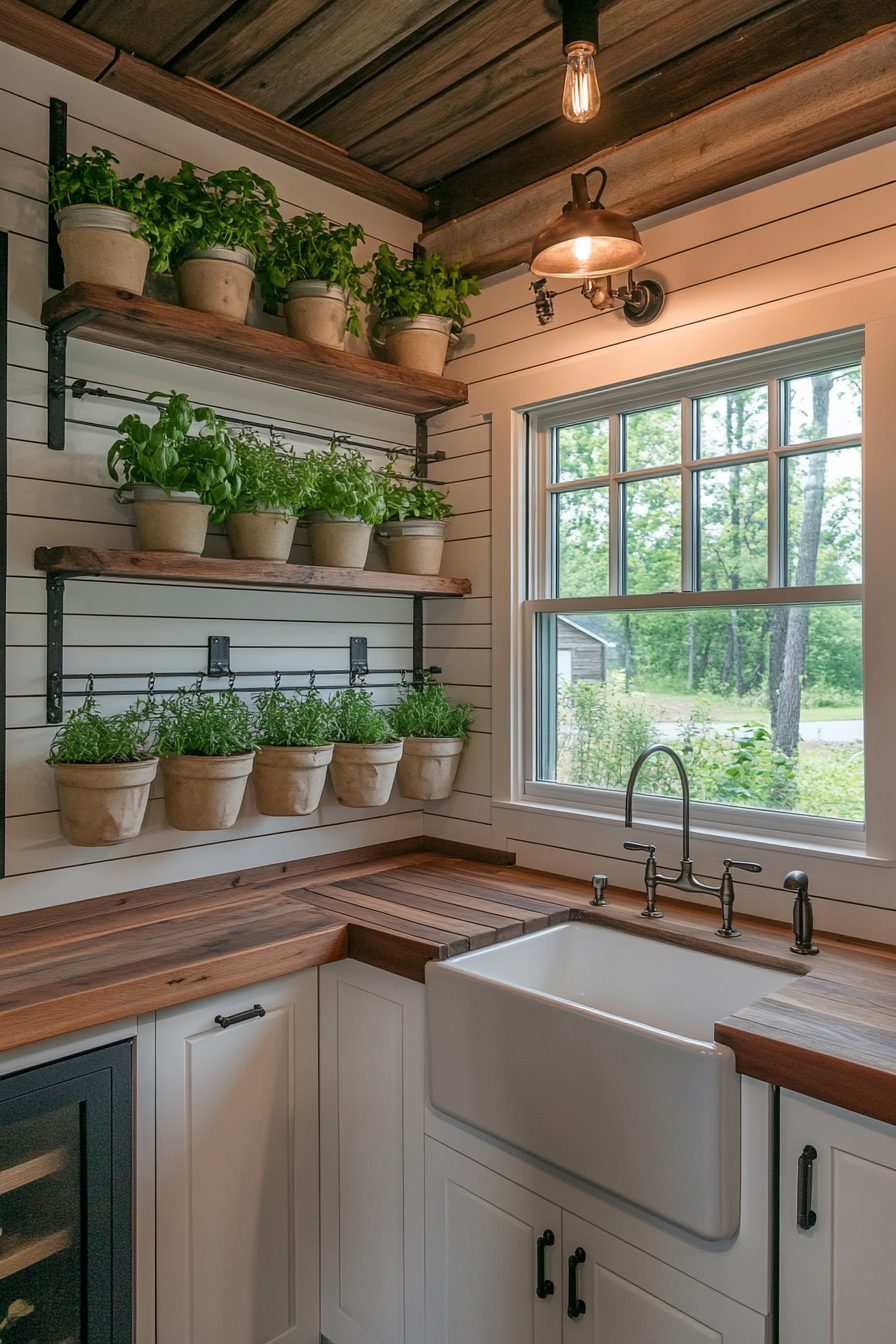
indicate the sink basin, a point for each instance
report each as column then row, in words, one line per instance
column 593, row 1050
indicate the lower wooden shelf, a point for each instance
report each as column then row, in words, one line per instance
column 24, row 1254
column 81, row 561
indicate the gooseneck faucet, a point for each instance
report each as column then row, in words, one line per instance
column 685, row 880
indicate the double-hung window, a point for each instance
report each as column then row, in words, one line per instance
column 696, row 580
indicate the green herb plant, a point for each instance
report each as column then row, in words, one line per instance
column 310, row 247
column 293, row 719
column 426, row 711
column 413, row 500
column 357, row 719
column 420, row 284
column 341, row 481
column 168, row 455
column 271, row 476
column 90, row 179
column 14, row 1312
column 90, row 738
column 233, row 208
column 191, row 723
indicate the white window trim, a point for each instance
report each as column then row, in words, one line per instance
column 870, row 304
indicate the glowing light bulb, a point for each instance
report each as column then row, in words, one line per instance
column 582, row 249
column 581, row 96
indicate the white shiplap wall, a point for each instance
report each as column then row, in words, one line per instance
column 57, row 498
column 809, row 250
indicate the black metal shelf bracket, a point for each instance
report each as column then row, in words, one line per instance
column 57, row 342
column 55, row 633
column 57, row 158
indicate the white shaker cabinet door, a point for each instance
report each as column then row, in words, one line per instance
column 482, row 1256
column 372, row 1086
column 614, row 1293
column 236, row 1180
column 838, row 1270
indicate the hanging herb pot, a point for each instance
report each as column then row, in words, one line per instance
column 366, row 752
column 295, row 747
column 435, row 733
column 206, row 744
column 103, row 773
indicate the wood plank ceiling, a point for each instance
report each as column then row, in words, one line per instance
column 461, row 98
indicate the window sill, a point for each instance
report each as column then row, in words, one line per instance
column 707, row 831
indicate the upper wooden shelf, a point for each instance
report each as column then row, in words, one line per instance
column 131, row 322
column 80, row 561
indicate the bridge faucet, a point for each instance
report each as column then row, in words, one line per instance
column 685, row 880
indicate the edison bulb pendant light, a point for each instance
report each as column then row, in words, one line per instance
column 581, row 95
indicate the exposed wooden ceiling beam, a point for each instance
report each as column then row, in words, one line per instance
column 123, row 23
column 786, row 34
column 243, row 36
column 835, row 98
column 34, row 31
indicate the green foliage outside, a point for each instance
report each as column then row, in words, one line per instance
column 421, row 284
column 426, row 711
column 191, row 723
column 341, row 481
column 310, row 247
column 168, row 455
column 89, row 738
column 271, row 476
column 293, row 719
column 357, row 719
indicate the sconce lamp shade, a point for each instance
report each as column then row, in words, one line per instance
column 586, row 240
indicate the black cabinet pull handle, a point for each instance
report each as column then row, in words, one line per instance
column 256, row 1011
column 806, row 1216
column 545, row 1286
column 575, row 1307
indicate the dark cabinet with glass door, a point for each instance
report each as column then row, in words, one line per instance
column 65, row 1201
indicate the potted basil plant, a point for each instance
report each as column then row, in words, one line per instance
column 295, row 745
column 309, row 267
column 346, row 499
column 215, row 228
column 103, row 220
column 207, row 746
column 414, row 527
column 435, row 733
column 261, row 522
column 421, row 304
column 179, row 479
column 366, row 751
column 103, row 772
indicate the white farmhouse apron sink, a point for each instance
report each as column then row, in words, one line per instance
column 593, row 1050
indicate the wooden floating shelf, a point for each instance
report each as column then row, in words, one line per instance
column 83, row 561
column 131, row 322
column 11, row 1178
column 31, row 1252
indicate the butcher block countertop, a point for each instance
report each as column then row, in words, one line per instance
column 830, row 1035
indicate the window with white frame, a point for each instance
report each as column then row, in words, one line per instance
column 696, row 580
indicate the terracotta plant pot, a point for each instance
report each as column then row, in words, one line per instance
column 428, row 766
column 417, row 342
column 217, row 280
column 205, row 793
column 336, row 541
column 363, row 774
column 414, row 546
column 177, row 522
column 98, row 247
column 290, row 780
column 266, row 535
column 103, row 804
column 315, row 311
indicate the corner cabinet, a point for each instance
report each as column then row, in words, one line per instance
column 236, row 1138
column 838, row 1225
column 371, row 1155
